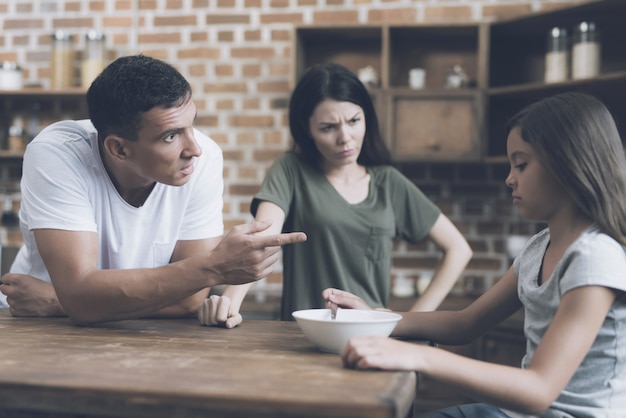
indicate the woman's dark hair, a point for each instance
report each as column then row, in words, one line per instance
column 332, row 81
column 127, row 88
column 576, row 139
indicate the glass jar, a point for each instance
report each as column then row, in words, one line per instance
column 62, row 65
column 16, row 135
column 94, row 57
column 586, row 51
column 456, row 78
column 557, row 56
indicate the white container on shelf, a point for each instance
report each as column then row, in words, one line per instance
column 586, row 51
column 10, row 76
column 557, row 56
column 423, row 281
column 94, row 58
column 403, row 286
column 62, row 62
column 417, row 78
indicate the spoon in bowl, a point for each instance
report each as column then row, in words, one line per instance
column 333, row 308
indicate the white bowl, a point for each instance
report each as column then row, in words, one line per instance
column 332, row 335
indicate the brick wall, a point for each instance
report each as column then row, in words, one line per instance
column 236, row 54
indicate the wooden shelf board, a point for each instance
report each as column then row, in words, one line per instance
column 541, row 87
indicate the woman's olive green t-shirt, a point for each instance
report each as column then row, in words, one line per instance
column 349, row 246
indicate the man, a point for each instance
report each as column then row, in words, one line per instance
column 122, row 214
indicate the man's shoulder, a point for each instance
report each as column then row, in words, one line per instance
column 63, row 140
column 65, row 131
column 81, row 125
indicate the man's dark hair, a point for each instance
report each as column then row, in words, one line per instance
column 127, row 88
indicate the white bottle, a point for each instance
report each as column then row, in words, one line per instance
column 94, row 59
column 586, row 51
column 557, row 56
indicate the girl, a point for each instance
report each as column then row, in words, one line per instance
column 567, row 169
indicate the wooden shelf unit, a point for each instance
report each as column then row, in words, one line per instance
column 38, row 108
column 517, row 56
column 411, row 120
column 504, row 61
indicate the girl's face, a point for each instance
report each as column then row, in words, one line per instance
column 535, row 191
column 338, row 130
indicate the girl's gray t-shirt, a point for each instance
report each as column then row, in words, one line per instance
column 598, row 387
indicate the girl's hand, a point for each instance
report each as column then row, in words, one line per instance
column 216, row 311
column 381, row 353
column 343, row 299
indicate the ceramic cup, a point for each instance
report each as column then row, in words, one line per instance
column 417, row 78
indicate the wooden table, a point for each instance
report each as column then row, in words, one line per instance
column 177, row 368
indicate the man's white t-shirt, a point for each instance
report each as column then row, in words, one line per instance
column 65, row 186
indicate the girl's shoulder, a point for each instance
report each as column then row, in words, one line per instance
column 595, row 243
column 591, row 243
column 598, row 257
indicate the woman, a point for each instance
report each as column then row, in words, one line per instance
column 338, row 186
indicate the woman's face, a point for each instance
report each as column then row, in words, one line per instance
column 338, row 130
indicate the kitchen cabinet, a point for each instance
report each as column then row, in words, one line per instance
column 32, row 109
column 516, row 64
column 433, row 123
column 504, row 62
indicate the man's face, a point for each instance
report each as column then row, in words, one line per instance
column 165, row 149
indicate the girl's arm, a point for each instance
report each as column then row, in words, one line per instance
column 447, row 327
column 562, row 349
column 461, row 327
column 457, row 254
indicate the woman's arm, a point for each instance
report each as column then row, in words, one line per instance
column 457, row 254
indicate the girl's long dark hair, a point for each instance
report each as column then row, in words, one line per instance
column 576, row 139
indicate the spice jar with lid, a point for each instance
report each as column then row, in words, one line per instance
column 62, row 65
column 586, row 51
column 16, row 135
column 456, row 78
column 10, row 76
column 94, row 57
column 557, row 56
